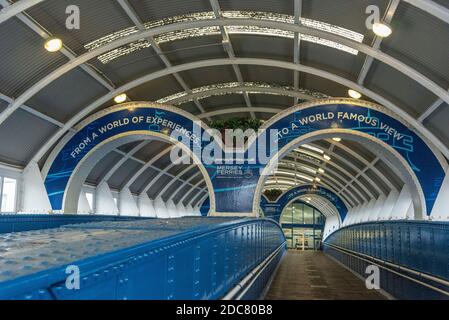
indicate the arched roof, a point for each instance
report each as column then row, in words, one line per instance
column 217, row 59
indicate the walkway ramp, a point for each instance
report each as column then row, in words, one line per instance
column 311, row 275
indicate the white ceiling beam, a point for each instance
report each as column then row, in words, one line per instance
column 44, row 34
column 183, row 185
column 132, row 14
column 297, row 45
column 119, row 163
column 427, row 83
column 392, row 6
column 431, row 7
column 11, row 10
column 230, row 51
column 170, row 183
column 151, row 166
column 250, row 61
column 254, row 89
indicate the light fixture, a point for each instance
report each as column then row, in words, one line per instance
column 53, row 44
column 120, row 98
column 308, row 146
column 317, row 179
column 354, row 94
column 320, row 170
column 336, row 139
column 381, row 29
column 326, row 157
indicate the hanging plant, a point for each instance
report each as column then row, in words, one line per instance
column 272, row 194
column 235, row 123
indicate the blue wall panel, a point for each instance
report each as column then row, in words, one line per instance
column 418, row 249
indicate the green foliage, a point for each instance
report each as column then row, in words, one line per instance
column 272, row 194
column 236, row 123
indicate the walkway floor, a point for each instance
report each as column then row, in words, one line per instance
column 311, row 275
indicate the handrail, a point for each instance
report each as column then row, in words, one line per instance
column 383, row 264
column 410, row 249
column 235, row 293
column 196, row 246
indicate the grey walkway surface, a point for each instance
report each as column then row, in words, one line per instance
column 311, row 275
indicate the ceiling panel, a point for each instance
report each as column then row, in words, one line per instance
column 194, row 49
column 143, row 180
column 22, row 134
column 285, row 7
column 258, row 46
column 349, row 14
column 173, row 188
column 155, row 89
column 255, row 73
column 151, row 150
column 24, row 61
column 123, row 174
column 331, row 60
column 153, row 192
column 438, row 122
column 158, row 9
column 68, row 95
column 131, row 66
column 98, row 18
column 210, row 75
column 405, row 92
column 103, row 167
column 421, row 41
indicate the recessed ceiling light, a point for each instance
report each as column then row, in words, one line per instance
column 354, row 94
column 326, row 157
column 381, row 29
column 336, row 139
column 317, row 179
column 320, row 170
column 53, row 44
column 120, row 98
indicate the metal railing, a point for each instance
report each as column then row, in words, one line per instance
column 202, row 263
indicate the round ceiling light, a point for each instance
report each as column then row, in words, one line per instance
column 336, row 139
column 120, row 98
column 354, row 94
column 53, row 45
column 381, row 29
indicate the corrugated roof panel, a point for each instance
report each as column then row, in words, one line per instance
column 438, row 122
column 400, row 89
column 97, row 19
column 420, row 41
column 122, row 175
column 68, row 95
column 158, row 9
column 22, row 135
column 24, row 61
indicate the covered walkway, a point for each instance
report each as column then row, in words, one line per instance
column 311, row 275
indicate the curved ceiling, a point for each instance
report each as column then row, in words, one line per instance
column 218, row 59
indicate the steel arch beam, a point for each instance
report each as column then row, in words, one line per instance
column 375, row 53
column 184, row 184
column 248, row 61
column 168, row 185
column 236, row 90
column 237, row 110
column 330, row 182
column 16, row 8
column 432, row 8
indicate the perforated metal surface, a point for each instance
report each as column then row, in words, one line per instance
column 23, row 253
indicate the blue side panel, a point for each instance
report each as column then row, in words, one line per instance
column 205, row 207
column 27, row 222
column 184, row 258
column 420, row 248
